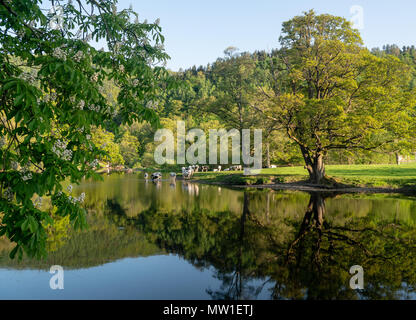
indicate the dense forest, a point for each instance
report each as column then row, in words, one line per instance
column 197, row 100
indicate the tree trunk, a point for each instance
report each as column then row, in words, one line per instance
column 315, row 166
column 268, row 154
column 318, row 172
column 314, row 215
column 397, row 158
column 318, row 208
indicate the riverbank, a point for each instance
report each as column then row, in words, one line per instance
column 342, row 178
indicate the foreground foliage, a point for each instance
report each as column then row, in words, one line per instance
column 52, row 97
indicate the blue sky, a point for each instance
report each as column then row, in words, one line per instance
column 197, row 32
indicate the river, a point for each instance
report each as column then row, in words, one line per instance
column 182, row 240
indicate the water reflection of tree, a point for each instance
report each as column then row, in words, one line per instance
column 271, row 244
column 297, row 258
column 235, row 285
column 318, row 259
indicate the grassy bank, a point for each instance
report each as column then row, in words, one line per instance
column 392, row 176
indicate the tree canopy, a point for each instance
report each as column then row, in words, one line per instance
column 335, row 93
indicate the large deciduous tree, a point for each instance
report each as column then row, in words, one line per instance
column 52, row 94
column 336, row 94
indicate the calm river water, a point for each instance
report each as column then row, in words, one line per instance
column 191, row 241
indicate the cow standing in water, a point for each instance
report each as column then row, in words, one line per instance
column 172, row 179
column 187, row 172
column 156, row 176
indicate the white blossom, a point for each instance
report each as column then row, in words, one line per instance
column 28, row 76
column 67, row 155
column 69, row 188
column 81, row 198
column 95, row 163
column 81, row 105
column 38, row 202
column 151, row 104
column 60, row 149
column 26, row 176
column 15, row 165
column 25, row 173
column 59, row 54
column 8, row 194
column 94, row 107
column 78, row 56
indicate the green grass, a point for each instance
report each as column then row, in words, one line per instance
column 233, row 178
column 358, row 175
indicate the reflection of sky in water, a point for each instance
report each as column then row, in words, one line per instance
column 147, row 274
column 131, row 278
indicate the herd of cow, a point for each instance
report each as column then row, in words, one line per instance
column 188, row 172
